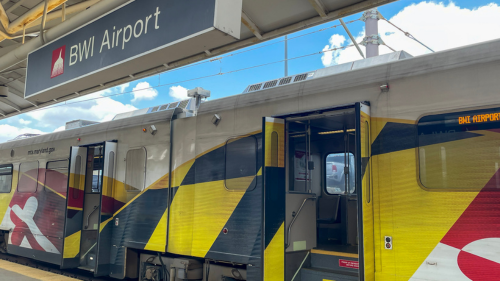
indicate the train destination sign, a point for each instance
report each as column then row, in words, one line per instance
column 138, row 36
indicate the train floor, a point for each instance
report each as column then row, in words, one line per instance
column 10, row 271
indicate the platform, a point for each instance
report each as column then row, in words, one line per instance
column 10, row 271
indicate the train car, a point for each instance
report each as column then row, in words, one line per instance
column 380, row 169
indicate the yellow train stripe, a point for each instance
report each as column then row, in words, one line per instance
column 274, row 259
column 158, row 240
column 72, row 245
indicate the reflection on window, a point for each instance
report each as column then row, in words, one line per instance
column 111, row 171
column 56, row 176
column 136, row 170
column 241, row 163
column 459, row 150
column 76, row 179
column 336, row 179
column 5, row 178
column 274, row 149
column 28, row 177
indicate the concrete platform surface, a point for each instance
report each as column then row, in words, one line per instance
column 10, row 271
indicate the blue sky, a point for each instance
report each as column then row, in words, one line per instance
column 434, row 23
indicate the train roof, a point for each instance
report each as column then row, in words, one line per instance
column 368, row 71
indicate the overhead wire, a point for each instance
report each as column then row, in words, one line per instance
column 197, row 78
column 259, row 47
column 219, row 59
column 407, row 34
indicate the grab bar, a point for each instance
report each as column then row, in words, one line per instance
column 88, row 217
column 293, row 221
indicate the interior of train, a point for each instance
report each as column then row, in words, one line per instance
column 321, row 203
column 91, row 206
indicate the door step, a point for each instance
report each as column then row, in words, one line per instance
column 335, row 261
column 320, row 274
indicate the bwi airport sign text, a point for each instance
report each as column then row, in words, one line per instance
column 136, row 37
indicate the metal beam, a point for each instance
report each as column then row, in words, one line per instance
column 251, row 25
column 319, row 7
column 352, row 38
column 10, row 104
column 13, row 7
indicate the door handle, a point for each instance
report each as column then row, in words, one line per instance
column 88, row 216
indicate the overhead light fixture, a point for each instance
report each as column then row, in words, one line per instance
column 300, row 135
column 4, row 91
column 336, row 131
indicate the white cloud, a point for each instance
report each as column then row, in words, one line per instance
column 25, row 122
column 100, row 109
column 178, row 93
column 8, row 132
column 61, row 128
column 331, row 57
column 143, row 91
column 440, row 26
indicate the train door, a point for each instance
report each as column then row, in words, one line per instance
column 74, row 208
column 106, row 210
column 88, row 237
column 327, row 194
column 274, row 199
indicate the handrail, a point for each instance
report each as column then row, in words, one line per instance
column 300, row 267
column 293, row 220
column 88, row 216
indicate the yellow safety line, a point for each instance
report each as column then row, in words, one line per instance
column 43, row 185
column 33, row 272
column 332, row 253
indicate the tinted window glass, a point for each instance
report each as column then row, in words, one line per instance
column 136, row 170
column 460, row 150
column 56, row 176
column 5, row 178
column 336, row 179
column 28, row 177
column 241, row 163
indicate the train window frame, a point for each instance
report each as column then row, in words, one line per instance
column 325, row 190
column 11, row 177
column 47, row 168
column 461, row 111
column 228, row 141
column 76, row 190
column 20, row 174
column 145, row 170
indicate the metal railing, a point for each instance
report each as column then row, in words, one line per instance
column 293, row 220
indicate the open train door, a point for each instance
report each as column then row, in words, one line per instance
column 365, row 193
column 74, row 208
column 106, row 211
column 274, row 198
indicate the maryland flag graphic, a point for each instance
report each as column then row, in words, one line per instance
column 471, row 248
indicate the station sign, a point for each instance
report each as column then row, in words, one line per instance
column 135, row 37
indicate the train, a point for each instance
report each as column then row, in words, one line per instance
column 386, row 168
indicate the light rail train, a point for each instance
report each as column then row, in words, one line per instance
column 381, row 169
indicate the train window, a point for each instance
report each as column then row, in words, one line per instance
column 459, row 150
column 28, row 177
column 135, row 173
column 56, row 176
column 335, row 176
column 274, row 149
column 76, row 179
column 5, row 178
column 111, row 171
column 241, row 163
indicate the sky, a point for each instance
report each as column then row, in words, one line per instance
column 439, row 25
